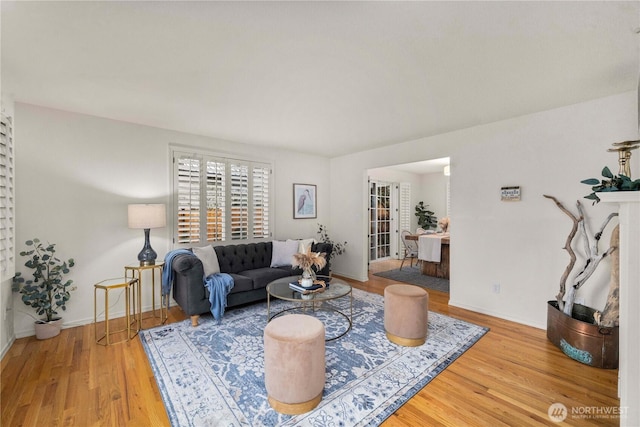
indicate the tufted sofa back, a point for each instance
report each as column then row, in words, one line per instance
column 237, row 258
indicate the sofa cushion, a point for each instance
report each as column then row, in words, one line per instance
column 241, row 283
column 209, row 259
column 263, row 276
column 237, row 258
column 283, row 252
column 305, row 244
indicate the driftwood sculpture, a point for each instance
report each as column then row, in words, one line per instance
column 593, row 258
column 611, row 314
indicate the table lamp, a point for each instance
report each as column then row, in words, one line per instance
column 147, row 216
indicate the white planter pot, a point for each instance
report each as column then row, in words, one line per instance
column 45, row 330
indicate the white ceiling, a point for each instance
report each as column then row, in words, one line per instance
column 422, row 167
column 329, row 78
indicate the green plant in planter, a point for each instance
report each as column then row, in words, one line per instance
column 338, row 247
column 47, row 292
column 613, row 183
column 426, row 218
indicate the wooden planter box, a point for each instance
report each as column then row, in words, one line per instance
column 580, row 339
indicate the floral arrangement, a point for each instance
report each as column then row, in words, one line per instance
column 444, row 224
column 307, row 260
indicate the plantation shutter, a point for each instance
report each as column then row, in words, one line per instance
column 404, row 211
column 239, row 199
column 187, row 193
column 404, row 206
column 216, row 215
column 7, row 201
column 260, row 200
column 218, row 199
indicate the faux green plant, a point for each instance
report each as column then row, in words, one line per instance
column 47, row 292
column 426, row 218
column 338, row 247
column 612, row 183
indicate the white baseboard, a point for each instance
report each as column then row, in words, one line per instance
column 496, row 314
column 87, row 321
column 348, row 276
column 7, row 346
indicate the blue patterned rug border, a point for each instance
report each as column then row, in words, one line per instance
column 377, row 360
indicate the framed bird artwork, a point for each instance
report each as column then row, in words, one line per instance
column 304, row 201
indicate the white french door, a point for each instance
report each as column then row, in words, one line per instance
column 382, row 220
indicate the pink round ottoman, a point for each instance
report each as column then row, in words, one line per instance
column 406, row 314
column 294, row 364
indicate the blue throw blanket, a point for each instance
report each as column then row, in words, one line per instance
column 219, row 285
column 167, row 271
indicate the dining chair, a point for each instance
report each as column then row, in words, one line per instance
column 410, row 248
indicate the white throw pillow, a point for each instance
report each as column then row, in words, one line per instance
column 283, row 252
column 209, row 259
column 304, row 245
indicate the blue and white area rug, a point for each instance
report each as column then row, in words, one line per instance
column 213, row 375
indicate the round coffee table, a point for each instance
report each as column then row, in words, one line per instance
column 337, row 289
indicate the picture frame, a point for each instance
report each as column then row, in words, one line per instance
column 304, row 201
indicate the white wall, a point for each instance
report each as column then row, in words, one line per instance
column 76, row 174
column 433, row 191
column 518, row 244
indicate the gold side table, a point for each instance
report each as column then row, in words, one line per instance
column 135, row 271
column 129, row 286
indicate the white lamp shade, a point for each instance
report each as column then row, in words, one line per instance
column 147, row 215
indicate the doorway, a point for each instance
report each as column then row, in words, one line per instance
column 395, row 190
column 381, row 220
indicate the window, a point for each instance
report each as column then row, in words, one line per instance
column 220, row 199
column 7, row 225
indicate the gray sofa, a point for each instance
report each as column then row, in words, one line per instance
column 248, row 264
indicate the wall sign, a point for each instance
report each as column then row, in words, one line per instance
column 510, row 194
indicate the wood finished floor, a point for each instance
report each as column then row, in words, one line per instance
column 509, row 378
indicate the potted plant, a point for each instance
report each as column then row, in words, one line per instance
column 610, row 183
column 338, row 247
column 426, row 218
column 47, row 292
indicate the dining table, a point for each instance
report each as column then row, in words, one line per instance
column 433, row 252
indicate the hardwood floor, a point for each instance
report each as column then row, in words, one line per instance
column 509, row 378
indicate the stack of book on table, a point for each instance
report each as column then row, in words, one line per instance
column 297, row 287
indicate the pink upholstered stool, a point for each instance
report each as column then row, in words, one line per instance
column 294, row 364
column 406, row 314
